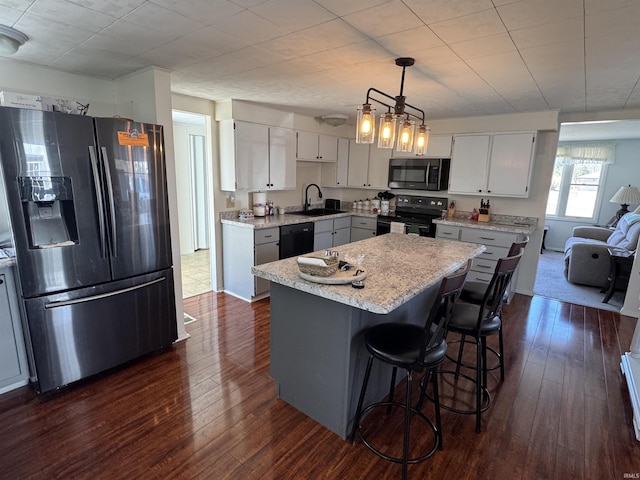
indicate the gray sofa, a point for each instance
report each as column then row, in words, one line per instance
column 586, row 258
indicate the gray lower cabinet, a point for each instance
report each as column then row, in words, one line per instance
column 266, row 249
column 242, row 249
column 331, row 233
column 497, row 246
column 363, row 227
column 14, row 370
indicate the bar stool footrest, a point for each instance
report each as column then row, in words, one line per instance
column 414, row 411
column 486, row 395
column 473, row 367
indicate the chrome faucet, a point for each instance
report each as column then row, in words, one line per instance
column 306, row 195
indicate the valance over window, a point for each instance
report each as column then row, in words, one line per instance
column 585, row 153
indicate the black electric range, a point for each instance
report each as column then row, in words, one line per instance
column 416, row 213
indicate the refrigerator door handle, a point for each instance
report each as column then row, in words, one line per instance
column 100, row 200
column 103, row 295
column 112, row 204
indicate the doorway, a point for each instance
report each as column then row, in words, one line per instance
column 192, row 173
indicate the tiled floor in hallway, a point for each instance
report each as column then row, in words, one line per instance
column 196, row 273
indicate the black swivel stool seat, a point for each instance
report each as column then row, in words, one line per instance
column 479, row 321
column 414, row 348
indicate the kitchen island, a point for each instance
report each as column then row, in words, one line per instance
column 318, row 355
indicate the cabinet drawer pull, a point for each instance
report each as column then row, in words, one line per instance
column 447, row 233
column 486, row 238
column 268, row 236
column 483, row 266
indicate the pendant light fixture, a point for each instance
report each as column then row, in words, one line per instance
column 407, row 139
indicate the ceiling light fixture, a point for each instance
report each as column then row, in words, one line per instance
column 366, row 126
column 11, row 40
column 335, row 119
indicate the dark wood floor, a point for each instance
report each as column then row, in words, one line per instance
column 207, row 409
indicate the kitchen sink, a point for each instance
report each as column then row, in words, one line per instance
column 317, row 212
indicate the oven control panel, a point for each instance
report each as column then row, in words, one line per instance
column 416, row 204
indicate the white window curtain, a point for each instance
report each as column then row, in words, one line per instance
column 585, row 153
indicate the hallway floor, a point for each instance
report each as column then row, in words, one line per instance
column 196, row 273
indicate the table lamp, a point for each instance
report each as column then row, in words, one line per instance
column 625, row 196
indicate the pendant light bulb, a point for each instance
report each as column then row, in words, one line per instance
column 405, row 139
column 387, row 130
column 365, row 124
column 422, row 139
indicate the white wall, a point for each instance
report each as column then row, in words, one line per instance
column 184, row 175
column 25, row 78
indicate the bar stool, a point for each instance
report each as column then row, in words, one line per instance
column 473, row 292
column 414, row 348
column 479, row 321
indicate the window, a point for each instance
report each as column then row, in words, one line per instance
column 578, row 176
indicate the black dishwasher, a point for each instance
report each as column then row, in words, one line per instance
column 296, row 239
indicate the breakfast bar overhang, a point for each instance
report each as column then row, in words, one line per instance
column 318, row 356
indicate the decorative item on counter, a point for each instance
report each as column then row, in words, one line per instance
column 272, row 210
column 484, row 214
column 366, row 204
column 473, row 215
column 259, row 204
column 245, row 214
column 354, row 205
column 384, row 201
column 281, row 210
column 452, row 209
column 360, row 204
column 375, row 205
column 320, row 267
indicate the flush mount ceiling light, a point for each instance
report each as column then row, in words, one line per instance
column 335, row 119
column 407, row 138
column 11, row 40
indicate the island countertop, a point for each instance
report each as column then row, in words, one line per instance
column 398, row 268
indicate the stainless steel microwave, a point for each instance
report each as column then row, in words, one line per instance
column 419, row 173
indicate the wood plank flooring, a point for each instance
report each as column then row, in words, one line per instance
column 206, row 409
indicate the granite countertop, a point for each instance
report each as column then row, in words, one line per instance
column 287, row 219
column 524, row 225
column 398, row 268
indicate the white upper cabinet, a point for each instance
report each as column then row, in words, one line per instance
column 313, row 147
column 256, row 157
column 438, row 146
column 368, row 166
column 336, row 174
column 469, row 164
column 497, row 164
column 282, row 162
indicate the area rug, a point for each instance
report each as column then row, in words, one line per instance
column 550, row 282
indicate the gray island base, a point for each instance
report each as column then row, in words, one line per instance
column 318, row 355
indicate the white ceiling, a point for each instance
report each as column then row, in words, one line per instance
column 473, row 57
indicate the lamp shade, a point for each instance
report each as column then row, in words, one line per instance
column 626, row 195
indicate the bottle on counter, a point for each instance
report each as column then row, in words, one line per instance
column 272, row 210
column 452, row 209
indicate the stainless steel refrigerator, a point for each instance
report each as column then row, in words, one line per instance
column 89, row 212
